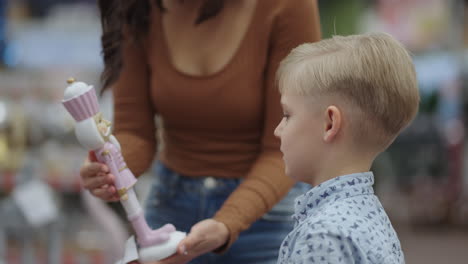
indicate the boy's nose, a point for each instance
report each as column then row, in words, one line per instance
column 278, row 130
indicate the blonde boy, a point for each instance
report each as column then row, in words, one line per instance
column 345, row 99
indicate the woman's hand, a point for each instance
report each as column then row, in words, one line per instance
column 98, row 180
column 204, row 237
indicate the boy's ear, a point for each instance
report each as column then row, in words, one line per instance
column 333, row 121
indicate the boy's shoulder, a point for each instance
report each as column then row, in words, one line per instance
column 347, row 208
column 357, row 216
column 356, row 225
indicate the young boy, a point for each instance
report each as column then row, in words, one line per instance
column 345, row 99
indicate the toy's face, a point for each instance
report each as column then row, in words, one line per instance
column 103, row 125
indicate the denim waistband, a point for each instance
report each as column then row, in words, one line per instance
column 172, row 180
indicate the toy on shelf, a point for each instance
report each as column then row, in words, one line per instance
column 94, row 133
column 13, row 135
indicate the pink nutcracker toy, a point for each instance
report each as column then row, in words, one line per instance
column 94, row 133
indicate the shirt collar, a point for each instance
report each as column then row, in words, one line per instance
column 332, row 190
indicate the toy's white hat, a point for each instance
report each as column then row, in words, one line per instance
column 80, row 100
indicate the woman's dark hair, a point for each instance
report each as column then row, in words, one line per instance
column 134, row 14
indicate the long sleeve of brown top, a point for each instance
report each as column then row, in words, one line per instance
column 133, row 109
column 296, row 22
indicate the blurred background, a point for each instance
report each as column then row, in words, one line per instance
column 422, row 179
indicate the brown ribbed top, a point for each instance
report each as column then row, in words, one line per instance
column 217, row 125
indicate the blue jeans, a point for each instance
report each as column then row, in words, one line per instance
column 184, row 201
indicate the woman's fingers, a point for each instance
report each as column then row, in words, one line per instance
column 108, row 193
column 98, row 181
column 93, row 169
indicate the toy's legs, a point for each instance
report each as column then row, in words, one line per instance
column 154, row 244
column 145, row 235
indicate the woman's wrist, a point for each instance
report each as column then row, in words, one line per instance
column 224, row 235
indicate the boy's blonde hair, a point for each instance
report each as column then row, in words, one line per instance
column 372, row 72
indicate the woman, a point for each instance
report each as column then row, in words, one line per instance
column 207, row 69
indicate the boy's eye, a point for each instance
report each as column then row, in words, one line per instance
column 285, row 116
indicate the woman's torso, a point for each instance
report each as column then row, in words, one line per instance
column 210, row 101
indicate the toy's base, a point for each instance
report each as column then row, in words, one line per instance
column 162, row 251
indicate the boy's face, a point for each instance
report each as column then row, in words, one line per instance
column 300, row 135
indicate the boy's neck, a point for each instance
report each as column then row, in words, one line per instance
column 341, row 165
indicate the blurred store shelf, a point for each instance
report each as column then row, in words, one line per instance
column 421, row 179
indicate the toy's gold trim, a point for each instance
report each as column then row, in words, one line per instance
column 123, row 194
column 105, row 152
column 123, row 168
column 97, row 119
column 71, row 80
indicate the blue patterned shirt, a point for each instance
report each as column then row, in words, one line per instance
column 341, row 221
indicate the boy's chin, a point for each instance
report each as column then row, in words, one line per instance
column 293, row 175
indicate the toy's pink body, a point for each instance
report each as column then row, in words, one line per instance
column 112, row 157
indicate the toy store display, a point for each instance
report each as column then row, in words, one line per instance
column 29, row 210
column 37, row 143
column 43, row 216
column 33, row 125
column 12, row 135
